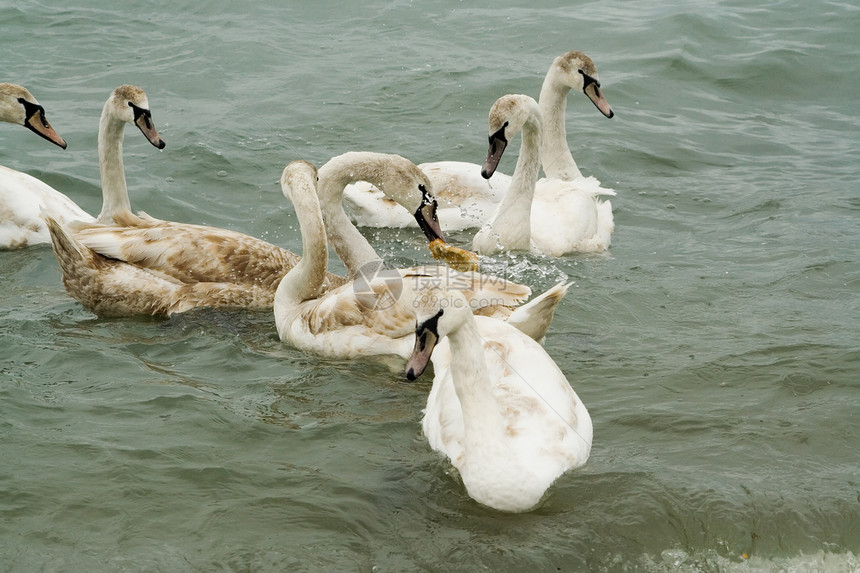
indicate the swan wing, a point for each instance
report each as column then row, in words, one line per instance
column 568, row 217
column 22, row 197
column 109, row 287
column 533, row 318
column 481, row 290
column 546, row 421
column 191, row 253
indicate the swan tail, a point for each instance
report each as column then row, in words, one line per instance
column 534, row 317
column 605, row 224
column 591, row 185
column 68, row 251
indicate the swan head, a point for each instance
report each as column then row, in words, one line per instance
column 402, row 181
column 17, row 105
column 577, row 71
column 507, row 117
column 439, row 315
column 298, row 173
column 397, row 177
column 129, row 104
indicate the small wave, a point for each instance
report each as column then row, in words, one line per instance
column 679, row 560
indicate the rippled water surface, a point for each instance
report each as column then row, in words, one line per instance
column 715, row 345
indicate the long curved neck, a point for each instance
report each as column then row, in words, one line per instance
column 114, row 191
column 512, row 221
column 481, row 415
column 555, row 153
column 349, row 244
column 305, row 280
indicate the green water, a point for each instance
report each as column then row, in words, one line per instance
column 716, row 345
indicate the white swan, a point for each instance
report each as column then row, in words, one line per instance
column 550, row 217
column 466, row 200
column 22, row 195
column 375, row 314
column 500, row 408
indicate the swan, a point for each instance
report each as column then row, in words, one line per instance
column 230, row 269
column 550, row 217
column 21, row 195
column 373, row 315
column 194, row 253
column 500, row 408
column 466, row 200
column 571, row 71
column 124, row 264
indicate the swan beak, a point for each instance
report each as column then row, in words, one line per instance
column 143, row 121
column 593, row 92
column 425, row 341
column 498, row 142
column 37, row 123
column 426, row 217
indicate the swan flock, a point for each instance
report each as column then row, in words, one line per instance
column 499, row 409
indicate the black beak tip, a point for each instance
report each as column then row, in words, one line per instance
column 410, row 375
column 611, row 114
column 486, row 174
column 161, row 144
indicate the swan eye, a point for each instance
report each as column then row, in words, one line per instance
column 426, row 197
column 588, row 80
column 430, row 325
column 144, row 113
column 31, row 109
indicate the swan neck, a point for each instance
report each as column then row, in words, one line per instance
column 114, row 191
column 305, row 280
column 555, row 153
column 481, row 415
column 346, row 240
column 512, row 221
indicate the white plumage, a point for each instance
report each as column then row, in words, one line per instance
column 468, row 200
column 549, row 216
column 374, row 315
column 500, row 408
